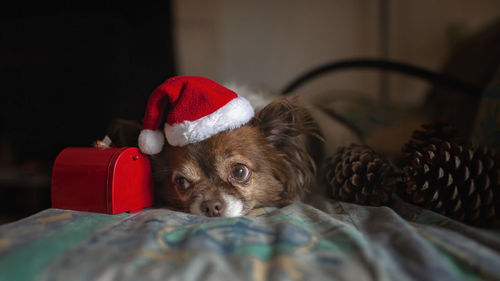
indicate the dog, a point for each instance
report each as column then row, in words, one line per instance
column 263, row 163
column 267, row 162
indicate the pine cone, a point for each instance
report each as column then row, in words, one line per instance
column 432, row 133
column 456, row 181
column 357, row 174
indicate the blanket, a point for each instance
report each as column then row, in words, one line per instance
column 322, row 239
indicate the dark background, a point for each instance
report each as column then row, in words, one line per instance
column 67, row 69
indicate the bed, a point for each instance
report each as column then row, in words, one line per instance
column 319, row 238
column 322, row 239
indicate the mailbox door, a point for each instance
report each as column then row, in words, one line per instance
column 131, row 186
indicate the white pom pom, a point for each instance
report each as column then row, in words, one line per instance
column 151, row 142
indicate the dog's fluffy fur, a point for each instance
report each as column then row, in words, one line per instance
column 263, row 163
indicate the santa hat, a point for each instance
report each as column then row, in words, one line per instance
column 198, row 109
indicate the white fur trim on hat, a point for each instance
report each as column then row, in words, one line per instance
column 151, row 142
column 232, row 115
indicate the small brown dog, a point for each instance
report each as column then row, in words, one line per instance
column 261, row 160
column 263, row 163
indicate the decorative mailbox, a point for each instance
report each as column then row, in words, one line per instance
column 111, row 181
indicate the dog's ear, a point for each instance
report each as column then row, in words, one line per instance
column 284, row 119
column 286, row 125
column 124, row 132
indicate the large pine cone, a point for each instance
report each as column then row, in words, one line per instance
column 359, row 175
column 456, row 181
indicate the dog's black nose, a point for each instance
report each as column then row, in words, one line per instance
column 213, row 208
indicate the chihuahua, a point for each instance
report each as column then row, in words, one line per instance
column 265, row 162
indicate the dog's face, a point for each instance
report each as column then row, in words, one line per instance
column 264, row 163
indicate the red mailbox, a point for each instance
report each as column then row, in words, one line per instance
column 111, row 181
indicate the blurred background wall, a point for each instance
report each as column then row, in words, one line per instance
column 266, row 44
column 68, row 67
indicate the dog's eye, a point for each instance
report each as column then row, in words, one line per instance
column 240, row 172
column 182, row 183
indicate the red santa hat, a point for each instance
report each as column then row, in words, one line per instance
column 198, row 109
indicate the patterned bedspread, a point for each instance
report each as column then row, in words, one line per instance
column 323, row 240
